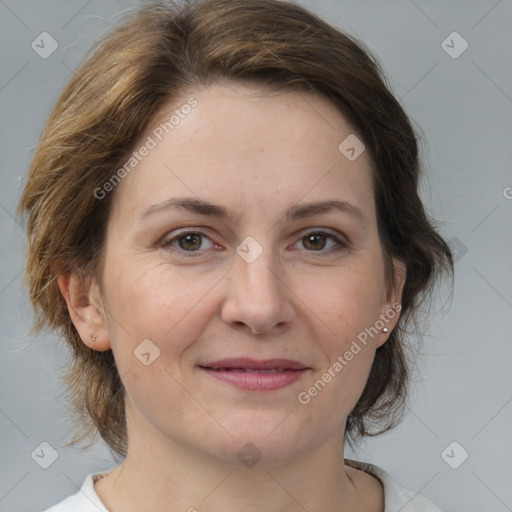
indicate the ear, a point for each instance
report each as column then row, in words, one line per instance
column 83, row 298
column 392, row 302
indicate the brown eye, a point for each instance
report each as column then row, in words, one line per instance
column 317, row 241
column 314, row 241
column 190, row 242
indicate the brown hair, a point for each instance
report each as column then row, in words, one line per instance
column 122, row 84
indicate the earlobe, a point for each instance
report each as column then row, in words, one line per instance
column 85, row 309
column 392, row 306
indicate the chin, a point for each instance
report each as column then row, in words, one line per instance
column 261, row 438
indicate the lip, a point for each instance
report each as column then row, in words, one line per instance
column 252, row 375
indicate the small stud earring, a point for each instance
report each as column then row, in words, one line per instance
column 93, row 337
column 385, row 330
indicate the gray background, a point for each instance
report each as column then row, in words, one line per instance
column 463, row 389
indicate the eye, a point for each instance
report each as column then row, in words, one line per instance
column 189, row 241
column 316, row 241
column 192, row 243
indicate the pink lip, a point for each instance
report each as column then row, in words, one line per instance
column 252, row 375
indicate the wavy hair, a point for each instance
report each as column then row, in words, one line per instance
column 148, row 62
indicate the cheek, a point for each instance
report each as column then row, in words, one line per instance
column 155, row 303
column 350, row 310
column 353, row 302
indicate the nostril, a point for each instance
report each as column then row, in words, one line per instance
column 238, row 324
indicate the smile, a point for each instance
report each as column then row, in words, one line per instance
column 252, row 375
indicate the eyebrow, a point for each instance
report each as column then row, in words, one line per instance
column 296, row 212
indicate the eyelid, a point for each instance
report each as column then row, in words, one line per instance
column 166, row 241
column 341, row 241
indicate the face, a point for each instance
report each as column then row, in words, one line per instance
column 218, row 247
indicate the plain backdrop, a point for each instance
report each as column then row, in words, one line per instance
column 461, row 100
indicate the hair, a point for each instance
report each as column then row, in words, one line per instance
column 162, row 50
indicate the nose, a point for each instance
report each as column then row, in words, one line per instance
column 258, row 301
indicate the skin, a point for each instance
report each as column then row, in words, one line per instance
column 257, row 157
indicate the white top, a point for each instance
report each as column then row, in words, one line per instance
column 396, row 498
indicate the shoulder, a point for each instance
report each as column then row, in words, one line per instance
column 85, row 500
column 395, row 496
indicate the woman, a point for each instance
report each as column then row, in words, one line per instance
column 224, row 223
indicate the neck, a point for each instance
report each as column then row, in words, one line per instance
column 160, row 475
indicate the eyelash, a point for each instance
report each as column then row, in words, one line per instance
column 341, row 245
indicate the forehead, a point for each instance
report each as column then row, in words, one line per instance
column 234, row 142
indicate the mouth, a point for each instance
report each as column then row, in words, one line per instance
column 253, row 375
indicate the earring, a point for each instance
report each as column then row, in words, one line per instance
column 385, row 330
column 93, row 337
